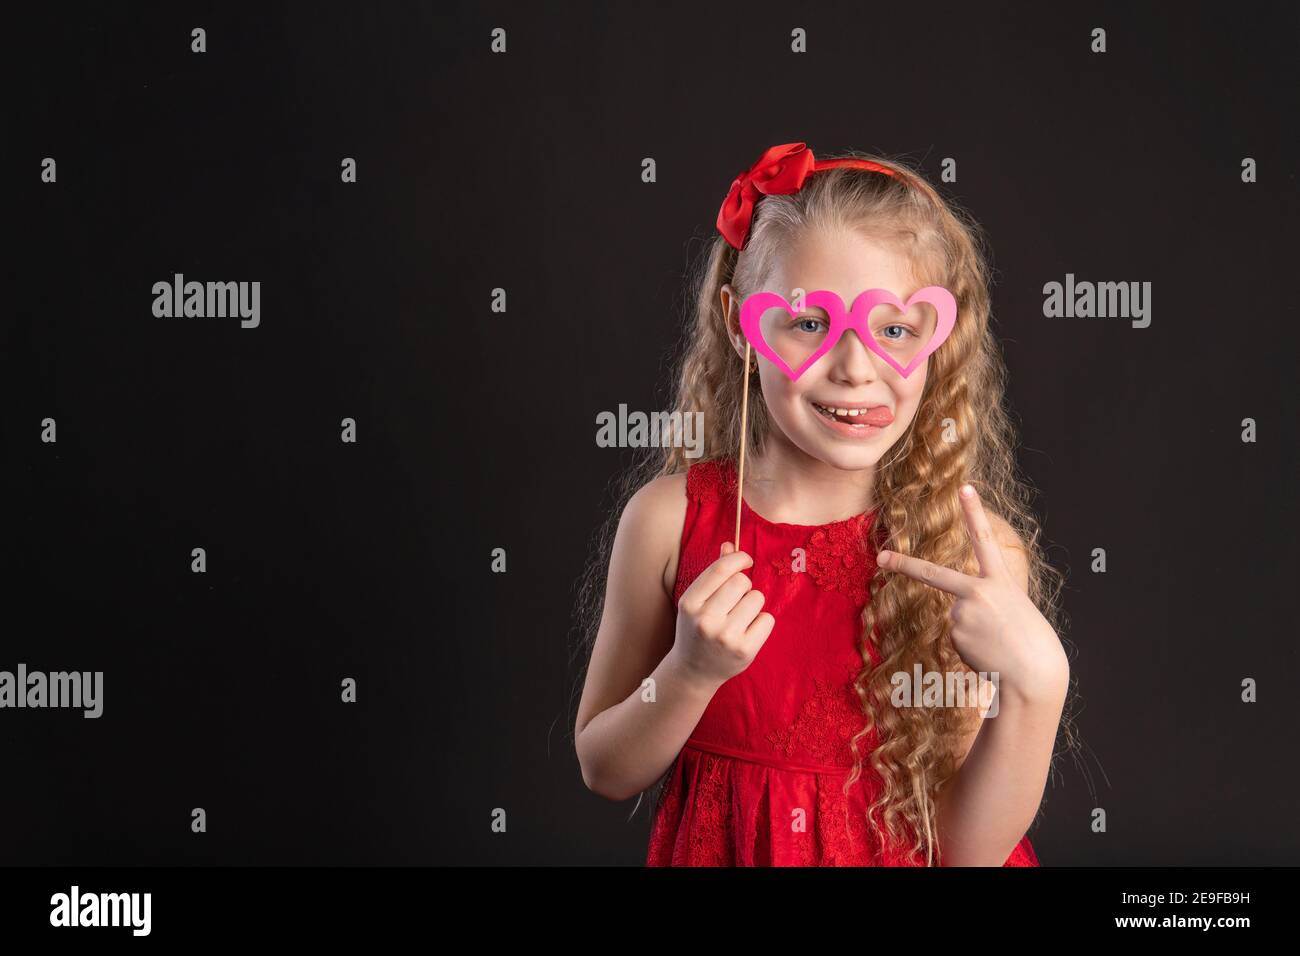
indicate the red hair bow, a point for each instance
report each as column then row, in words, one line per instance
column 781, row 170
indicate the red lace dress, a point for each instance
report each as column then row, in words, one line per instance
column 760, row 780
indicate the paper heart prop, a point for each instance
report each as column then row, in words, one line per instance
column 936, row 295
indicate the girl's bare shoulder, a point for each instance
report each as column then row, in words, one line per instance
column 654, row 517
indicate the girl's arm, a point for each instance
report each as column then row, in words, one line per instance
column 624, row 741
column 987, row 807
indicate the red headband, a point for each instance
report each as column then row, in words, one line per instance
column 779, row 171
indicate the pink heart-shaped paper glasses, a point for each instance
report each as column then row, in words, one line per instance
column 755, row 305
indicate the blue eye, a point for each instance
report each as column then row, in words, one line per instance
column 802, row 324
column 905, row 329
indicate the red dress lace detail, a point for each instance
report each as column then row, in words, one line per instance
column 761, row 780
column 834, row 706
column 837, row 558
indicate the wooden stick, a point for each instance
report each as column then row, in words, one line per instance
column 744, row 432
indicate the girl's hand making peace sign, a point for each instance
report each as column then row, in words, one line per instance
column 995, row 626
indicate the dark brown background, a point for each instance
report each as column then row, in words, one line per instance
column 477, row 430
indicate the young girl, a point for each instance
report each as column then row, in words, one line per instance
column 769, row 695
